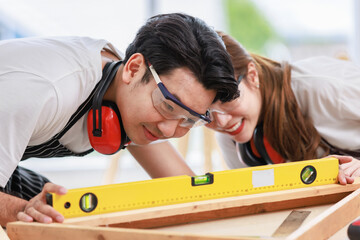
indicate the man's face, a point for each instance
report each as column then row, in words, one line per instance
column 143, row 122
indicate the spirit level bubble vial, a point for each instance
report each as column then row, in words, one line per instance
column 202, row 179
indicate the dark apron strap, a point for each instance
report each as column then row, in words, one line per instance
column 53, row 148
column 25, row 183
column 339, row 151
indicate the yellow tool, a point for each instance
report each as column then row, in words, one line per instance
column 181, row 189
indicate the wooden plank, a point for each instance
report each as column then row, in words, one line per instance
column 55, row 231
column 332, row 220
column 3, row 235
column 220, row 208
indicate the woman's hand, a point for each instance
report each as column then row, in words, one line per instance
column 37, row 209
column 349, row 168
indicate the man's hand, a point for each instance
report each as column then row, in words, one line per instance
column 37, row 209
column 349, row 168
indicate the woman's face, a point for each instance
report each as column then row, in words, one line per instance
column 240, row 116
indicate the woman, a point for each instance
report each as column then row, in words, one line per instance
column 290, row 112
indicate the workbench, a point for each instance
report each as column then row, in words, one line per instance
column 332, row 208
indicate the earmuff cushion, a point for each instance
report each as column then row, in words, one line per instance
column 258, row 150
column 248, row 157
column 113, row 137
column 273, row 155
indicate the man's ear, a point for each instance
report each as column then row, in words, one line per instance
column 252, row 75
column 135, row 66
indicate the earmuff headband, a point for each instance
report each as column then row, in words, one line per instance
column 110, row 71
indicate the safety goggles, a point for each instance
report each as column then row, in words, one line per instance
column 212, row 113
column 171, row 108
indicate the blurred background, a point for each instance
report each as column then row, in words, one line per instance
column 282, row 30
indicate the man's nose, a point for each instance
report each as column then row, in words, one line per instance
column 168, row 127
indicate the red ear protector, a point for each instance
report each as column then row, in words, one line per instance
column 258, row 150
column 105, row 130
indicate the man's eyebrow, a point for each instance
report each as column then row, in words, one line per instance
column 177, row 97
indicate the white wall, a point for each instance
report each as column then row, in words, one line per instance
column 114, row 20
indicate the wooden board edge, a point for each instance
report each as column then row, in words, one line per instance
column 40, row 231
column 331, row 220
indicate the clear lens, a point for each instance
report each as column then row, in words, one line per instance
column 189, row 123
column 170, row 110
column 212, row 113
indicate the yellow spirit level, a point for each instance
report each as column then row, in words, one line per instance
column 181, row 189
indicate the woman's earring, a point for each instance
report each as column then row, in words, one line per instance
column 258, row 85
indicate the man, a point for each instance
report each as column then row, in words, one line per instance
column 65, row 96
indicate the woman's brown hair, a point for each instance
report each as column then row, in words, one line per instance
column 290, row 133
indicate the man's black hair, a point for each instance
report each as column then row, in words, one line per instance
column 170, row 41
